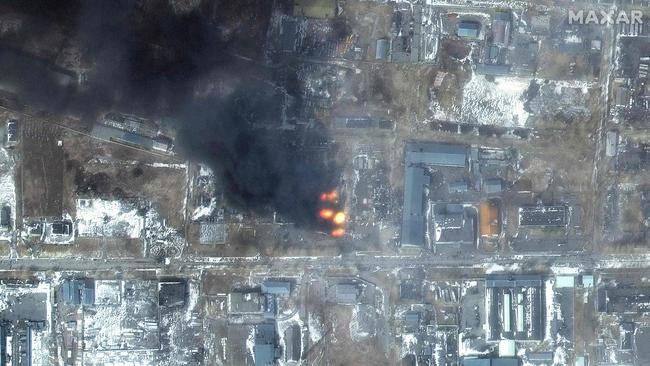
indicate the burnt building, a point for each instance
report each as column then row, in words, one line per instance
column 544, row 216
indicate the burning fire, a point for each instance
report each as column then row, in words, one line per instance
column 326, row 214
column 339, row 218
column 330, row 211
column 329, row 197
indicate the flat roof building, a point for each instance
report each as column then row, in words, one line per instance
column 453, row 224
column 515, row 307
column 265, row 348
column 490, row 362
column 77, row 291
column 347, row 293
column 501, row 28
column 246, row 302
column 382, row 49
column 417, row 157
column 436, row 154
column 469, row 29
column 276, row 287
column 493, row 69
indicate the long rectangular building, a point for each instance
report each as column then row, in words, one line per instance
column 417, row 157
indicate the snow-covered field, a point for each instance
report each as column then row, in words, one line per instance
column 7, row 189
column 499, row 102
column 98, row 217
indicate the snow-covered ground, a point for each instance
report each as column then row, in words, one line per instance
column 161, row 239
column 202, row 212
column 7, row 189
column 315, row 328
column 98, row 217
column 283, row 325
column 499, row 102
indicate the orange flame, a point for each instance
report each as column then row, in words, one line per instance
column 338, row 232
column 339, row 218
column 326, row 214
column 332, row 196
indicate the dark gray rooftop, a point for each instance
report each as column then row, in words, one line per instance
column 383, row 49
column 347, row 293
column 453, row 224
column 265, row 341
column 413, row 210
column 493, row 69
column 513, row 281
column 540, row 356
column 276, row 287
column 436, row 154
column 490, row 362
column 417, row 156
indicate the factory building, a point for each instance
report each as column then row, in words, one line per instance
column 417, row 157
column 246, row 302
column 490, row 362
column 501, row 27
column 515, row 307
column 382, row 49
column 158, row 144
column 275, row 287
column 77, row 291
column 469, row 29
column 265, row 348
column 493, row 69
column 347, row 293
column 453, row 223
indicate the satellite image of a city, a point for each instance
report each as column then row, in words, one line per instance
column 325, row 182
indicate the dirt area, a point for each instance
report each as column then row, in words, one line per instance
column 43, row 167
column 339, row 348
column 269, row 240
column 556, row 65
column 106, row 170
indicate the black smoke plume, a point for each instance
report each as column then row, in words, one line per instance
column 147, row 59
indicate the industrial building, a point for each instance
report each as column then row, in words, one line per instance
column 347, row 293
column 515, row 307
column 544, row 216
column 246, row 302
column 172, row 293
column 490, row 362
column 493, row 69
column 453, row 223
column 382, row 49
column 417, row 157
column 77, row 291
column 265, row 348
column 501, row 27
column 158, row 144
column 469, row 29
column 275, row 287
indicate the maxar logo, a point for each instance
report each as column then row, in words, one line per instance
column 605, row 17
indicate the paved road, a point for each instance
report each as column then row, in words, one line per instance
column 478, row 263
